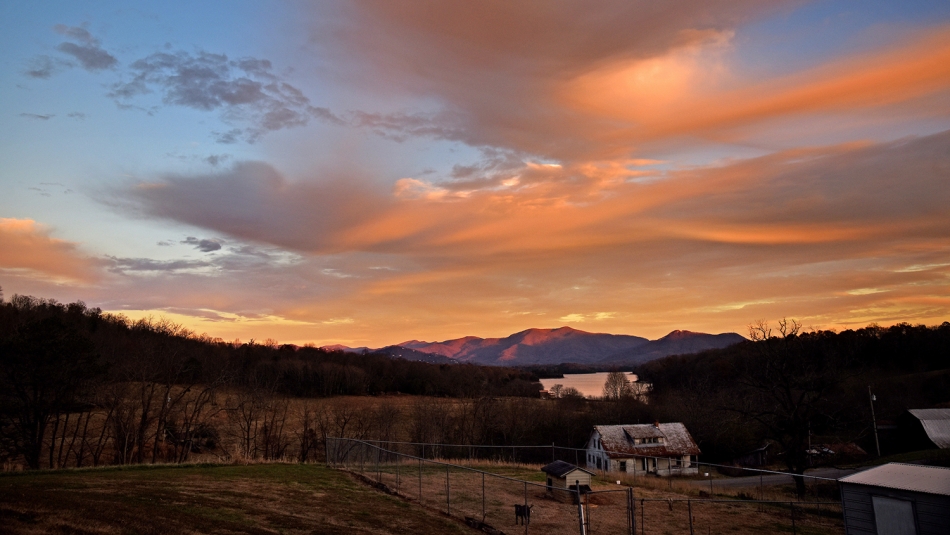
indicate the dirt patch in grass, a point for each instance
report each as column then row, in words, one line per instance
column 258, row 499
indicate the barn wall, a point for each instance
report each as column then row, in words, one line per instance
column 932, row 511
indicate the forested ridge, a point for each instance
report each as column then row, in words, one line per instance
column 79, row 387
column 104, row 388
column 793, row 388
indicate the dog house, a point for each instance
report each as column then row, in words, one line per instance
column 564, row 479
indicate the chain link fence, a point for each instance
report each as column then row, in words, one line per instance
column 500, row 489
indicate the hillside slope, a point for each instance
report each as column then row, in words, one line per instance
column 532, row 346
column 675, row 343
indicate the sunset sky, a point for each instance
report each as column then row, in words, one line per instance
column 371, row 172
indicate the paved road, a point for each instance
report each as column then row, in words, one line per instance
column 772, row 479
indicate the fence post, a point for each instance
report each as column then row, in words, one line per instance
column 643, row 525
column 553, row 455
column 689, row 509
column 527, row 514
column 379, row 475
column 580, row 508
column 631, row 511
column 483, row 496
column 398, row 462
column 420, row 480
column 587, row 514
column 792, row 507
column 448, row 500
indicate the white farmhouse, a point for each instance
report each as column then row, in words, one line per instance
column 661, row 449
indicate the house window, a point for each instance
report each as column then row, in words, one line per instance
column 598, row 463
column 623, row 466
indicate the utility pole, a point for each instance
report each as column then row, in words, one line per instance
column 872, row 398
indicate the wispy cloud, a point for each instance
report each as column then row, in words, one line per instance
column 245, row 91
column 85, row 49
column 581, row 318
column 37, row 116
column 203, row 245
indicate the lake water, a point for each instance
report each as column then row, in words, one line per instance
column 589, row 384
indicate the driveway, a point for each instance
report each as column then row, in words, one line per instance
column 773, row 479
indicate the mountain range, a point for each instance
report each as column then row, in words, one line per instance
column 555, row 346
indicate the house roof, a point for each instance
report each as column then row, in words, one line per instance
column 929, row 479
column 936, row 423
column 561, row 469
column 618, row 440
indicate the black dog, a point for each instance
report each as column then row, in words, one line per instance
column 523, row 513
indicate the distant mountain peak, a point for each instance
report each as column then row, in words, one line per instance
column 673, row 335
column 555, row 346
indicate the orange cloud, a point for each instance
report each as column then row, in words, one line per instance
column 573, row 87
column 802, row 233
column 27, row 248
column 690, row 92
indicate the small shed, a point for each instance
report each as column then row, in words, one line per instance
column 758, row 457
column 897, row 498
column 565, row 476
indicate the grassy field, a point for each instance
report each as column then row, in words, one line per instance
column 663, row 509
column 258, row 499
column 295, row 498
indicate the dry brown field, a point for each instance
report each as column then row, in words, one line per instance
column 252, row 499
column 660, row 507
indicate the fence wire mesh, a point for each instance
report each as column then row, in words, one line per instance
column 503, row 489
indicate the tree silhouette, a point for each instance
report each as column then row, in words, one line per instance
column 44, row 366
column 785, row 387
column 617, row 386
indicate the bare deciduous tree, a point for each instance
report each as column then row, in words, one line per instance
column 617, row 386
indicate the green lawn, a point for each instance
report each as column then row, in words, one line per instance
column 267, row 498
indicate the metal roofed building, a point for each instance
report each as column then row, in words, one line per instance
column 896, row 498
column 926, row 428
column 661, row 449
